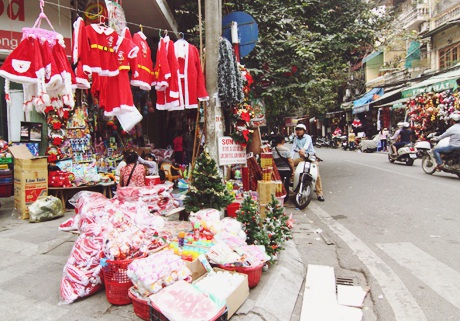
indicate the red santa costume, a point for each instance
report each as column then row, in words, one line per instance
column 118, row 95
column 167, row 71
column 80, row 51
column 192, row 87
column 65, row 70
column 102, row 58
column 144, row 65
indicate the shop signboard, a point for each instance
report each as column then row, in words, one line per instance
column 436, row 87
column 230, row 152
column 18, row 14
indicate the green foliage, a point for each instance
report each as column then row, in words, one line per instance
column 207, row 189
column 249, row 216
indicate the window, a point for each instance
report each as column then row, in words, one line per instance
column 449, row 56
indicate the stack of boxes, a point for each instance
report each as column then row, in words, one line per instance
column 267, row 187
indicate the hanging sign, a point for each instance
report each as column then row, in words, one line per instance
column 230, row 152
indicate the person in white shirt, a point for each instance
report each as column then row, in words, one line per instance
column 302, row 146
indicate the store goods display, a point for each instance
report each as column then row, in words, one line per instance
column 221, row 283
column 151, row 274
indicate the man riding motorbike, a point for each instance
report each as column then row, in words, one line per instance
column 454, row 142
column 404, row 134
column 302, row 146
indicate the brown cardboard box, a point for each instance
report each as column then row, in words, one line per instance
column 238, row 296
column 196, row 268
column 262, row 209
column 265, row 190
column 30, row 178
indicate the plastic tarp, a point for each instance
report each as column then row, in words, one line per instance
column 413, row 53
column 368, row 97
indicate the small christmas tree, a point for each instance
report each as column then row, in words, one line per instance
column 207, row 189
column 249, row 216
column 277, row 226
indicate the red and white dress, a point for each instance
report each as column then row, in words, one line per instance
column 80, row 51
column 118, row 95
column 102, row 58
column 144, row 65
column 192, row 85
column 167, row 76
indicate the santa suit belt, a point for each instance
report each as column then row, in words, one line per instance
column 145, row 68
column 104, row 48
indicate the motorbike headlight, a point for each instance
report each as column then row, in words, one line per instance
column 312, row 158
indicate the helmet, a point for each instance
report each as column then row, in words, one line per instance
column 301, row 126
column 405, row 124
column 400, row 124
column 455, row 117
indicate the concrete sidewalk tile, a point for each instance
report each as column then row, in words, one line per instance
column 20, row 247
column 93, row 306
column 50, row 244
column 11, row 304
column 279, row 295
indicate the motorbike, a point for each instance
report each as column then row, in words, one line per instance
column 423, row 146
column 323, row 142
column 406, row 154
column 451, row 161
column 336, row 141
column 305, row 176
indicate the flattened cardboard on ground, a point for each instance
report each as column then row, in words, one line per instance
column 352, row 296
column 238, row 296
column 30, row 178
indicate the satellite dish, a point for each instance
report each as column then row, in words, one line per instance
column 248, row 31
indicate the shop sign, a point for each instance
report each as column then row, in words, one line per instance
column 230, row 152
column 436, row 87
column 15, row 15
column 290, row 121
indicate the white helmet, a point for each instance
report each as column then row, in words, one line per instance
column 400, row 124
column 455, row 117
column 301, row 126
column 405, row 124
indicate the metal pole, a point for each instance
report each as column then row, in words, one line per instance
column 213, row 27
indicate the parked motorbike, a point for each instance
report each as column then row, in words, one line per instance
column 451, row 161
column 406, row 154
column 323, row 142
column 305, row 176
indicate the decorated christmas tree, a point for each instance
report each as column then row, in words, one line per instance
column 207, row 189
column 277, row 226
column 249, row 216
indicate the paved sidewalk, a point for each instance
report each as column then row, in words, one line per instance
column 34, row 254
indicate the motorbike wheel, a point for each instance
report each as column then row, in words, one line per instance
column 390, row 159
column 428, row 165
column 409, row 162
column 303, row 196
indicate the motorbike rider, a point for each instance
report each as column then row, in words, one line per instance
column 454, row 142
column 404, row 134
column 301, row 147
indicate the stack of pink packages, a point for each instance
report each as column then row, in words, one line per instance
column 111, row 228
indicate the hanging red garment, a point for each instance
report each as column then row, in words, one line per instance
column 80, row 51
column 102, row 58
column 167, row 71
column 118, row 95
column 192, row 85
column 143, row 71
column 65, row 70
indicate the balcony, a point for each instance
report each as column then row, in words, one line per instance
column 413, row 18
column 451, row 14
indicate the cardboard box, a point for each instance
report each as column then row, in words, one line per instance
column 239, row 294
column 196, row 268
column 262, row 209
column 265, row 190
column 30, row 178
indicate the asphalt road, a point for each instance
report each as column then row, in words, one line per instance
column 397, row 226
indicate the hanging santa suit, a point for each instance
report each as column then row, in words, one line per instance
column 192, row 87
column 102, row 58
column 65, row 70
column 80, row 51
column 118, row 95
column 144, row 65
column 167, row 81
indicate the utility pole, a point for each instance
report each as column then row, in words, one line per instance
column 213, row 30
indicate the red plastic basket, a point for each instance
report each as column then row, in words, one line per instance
column 156, row 315
column 253, row 272
column 117, row 282
column 141, row 307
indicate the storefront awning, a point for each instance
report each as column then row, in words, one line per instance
column 347, row 106
column 360, row 109
column 436, row 83
column 387, row 97
column 371, row 56
column 400, row 103
column 333, row 114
